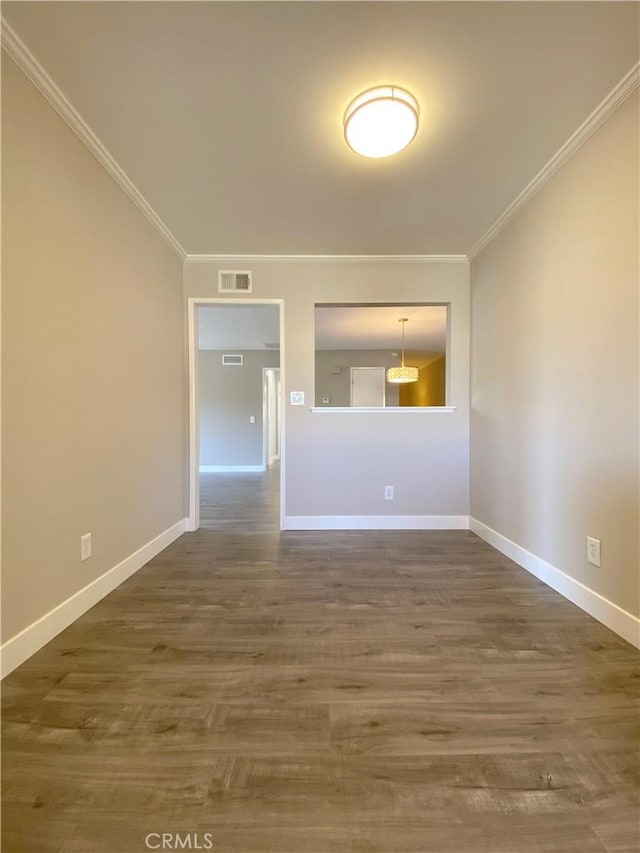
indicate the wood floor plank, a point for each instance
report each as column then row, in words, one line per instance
column 310, row 692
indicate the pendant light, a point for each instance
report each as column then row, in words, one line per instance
column 403, row 373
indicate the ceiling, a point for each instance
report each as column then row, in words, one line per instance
column 238, row 327
column 360, row 327
column 228, row 116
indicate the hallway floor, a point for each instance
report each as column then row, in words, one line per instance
column 309, row 692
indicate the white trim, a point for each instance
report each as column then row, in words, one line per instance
column 25, row 60
column 265, row 425
column 347, row 259
column 269, row 460
column 625, row 624
column 193, row 302
column 232, row 469
column 376, row 522
column 26, row 643
column 193, row 518
column 367, row 410
column 601, row 113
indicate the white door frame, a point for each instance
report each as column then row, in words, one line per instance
column 193, row 303
column 265, row 419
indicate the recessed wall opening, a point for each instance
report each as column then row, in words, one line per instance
column 236, row 414
column 357, row 345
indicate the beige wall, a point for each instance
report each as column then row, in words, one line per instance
column 338, row 463
column 229, row 396
column 554, row 428
column 93, row 364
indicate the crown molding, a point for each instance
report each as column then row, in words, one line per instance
column 605, row 108
column 25, row 60
column 332, row 259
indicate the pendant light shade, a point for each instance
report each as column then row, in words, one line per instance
column 401, row 374
column 382, row 121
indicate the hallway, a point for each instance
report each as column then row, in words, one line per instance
column 244, row 502
column 308, row 692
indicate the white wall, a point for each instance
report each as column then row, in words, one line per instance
column 229, row 397
column 92, row 369
column 555, row 383
column 338, row 463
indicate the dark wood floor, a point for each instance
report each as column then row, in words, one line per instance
column 317, row 692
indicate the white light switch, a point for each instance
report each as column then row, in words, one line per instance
column 252, row 419
column 85, row 547
column 297, row 398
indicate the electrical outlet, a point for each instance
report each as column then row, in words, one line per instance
column 388, row 493
column 593, row 551
column 85, row 547
column 252, row 419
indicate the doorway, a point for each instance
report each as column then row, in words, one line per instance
column 368, row 387
column 235, row 430
column 271, row 405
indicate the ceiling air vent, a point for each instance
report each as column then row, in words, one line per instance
column 234, row 281
column 232, row 360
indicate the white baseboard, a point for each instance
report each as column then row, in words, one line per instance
column 232, row 469
column 376, row 522
column 21, row 646
column 625, row 624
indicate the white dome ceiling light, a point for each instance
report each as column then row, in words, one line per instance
column 381, row 121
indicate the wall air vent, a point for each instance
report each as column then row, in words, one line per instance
column 234, row 281
column 232, row 360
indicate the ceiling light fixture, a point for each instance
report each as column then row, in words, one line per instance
column 381, row 121
column 403, row 373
